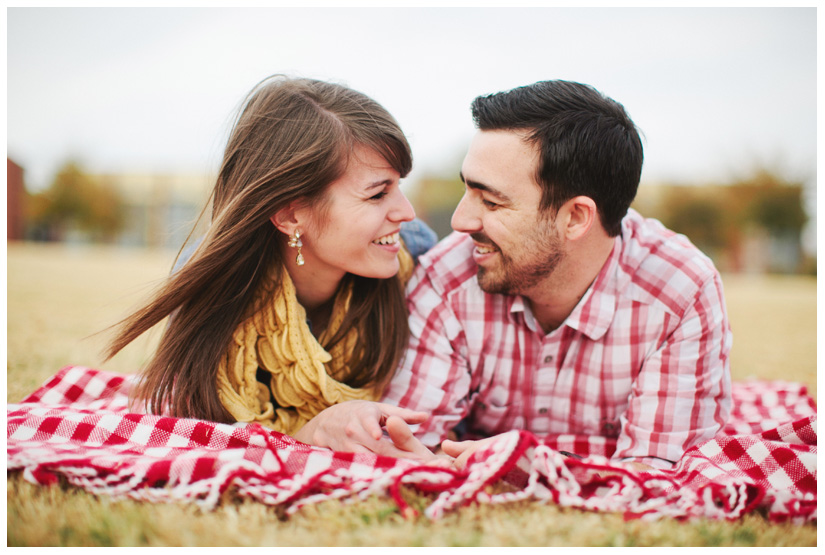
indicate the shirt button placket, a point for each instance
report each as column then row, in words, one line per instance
column 545, row 378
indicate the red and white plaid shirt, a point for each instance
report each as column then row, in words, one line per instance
column 642, row 358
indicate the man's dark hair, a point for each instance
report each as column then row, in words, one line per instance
column 588, row 144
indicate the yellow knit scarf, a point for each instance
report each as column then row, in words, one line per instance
column 278, row 339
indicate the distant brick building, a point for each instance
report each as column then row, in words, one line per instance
column 15, row 199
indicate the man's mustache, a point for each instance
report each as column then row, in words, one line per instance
column 482, row 239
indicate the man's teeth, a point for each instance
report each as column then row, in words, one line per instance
column 390, row 239
column 484, row 250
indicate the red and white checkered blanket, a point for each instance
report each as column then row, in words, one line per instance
column 77, row 426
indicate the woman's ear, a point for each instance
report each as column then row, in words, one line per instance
column 285, row 220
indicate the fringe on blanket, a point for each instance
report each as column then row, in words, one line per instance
column 78, row 427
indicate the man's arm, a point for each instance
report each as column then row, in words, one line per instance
column 681, row 396
column 434, row 376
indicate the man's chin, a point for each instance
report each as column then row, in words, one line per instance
column 489, row 284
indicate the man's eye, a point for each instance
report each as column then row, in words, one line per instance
column 489, row 204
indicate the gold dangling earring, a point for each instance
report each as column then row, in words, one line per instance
column 295, row 241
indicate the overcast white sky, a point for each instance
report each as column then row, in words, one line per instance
column 715, row 91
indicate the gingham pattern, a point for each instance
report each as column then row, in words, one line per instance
column 77, row 426
column 642, row 358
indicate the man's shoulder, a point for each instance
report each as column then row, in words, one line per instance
column 449, row 265
column 660, row 264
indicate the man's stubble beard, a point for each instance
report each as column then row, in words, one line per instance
column 512, row 278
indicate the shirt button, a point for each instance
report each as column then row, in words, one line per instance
column 548, row 359
column 543, row 410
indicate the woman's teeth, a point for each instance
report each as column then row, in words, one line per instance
column 390, row 239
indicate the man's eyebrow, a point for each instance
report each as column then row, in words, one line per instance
column 486, row 188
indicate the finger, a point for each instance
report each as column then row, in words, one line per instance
column 358, row 448
column 360, row 443
column 387, row 449
column 460, row 462
column 455, row 448
column 403, row 438
column 362, row 428
column 372, row 426
column 390, row 450
column 409, row 416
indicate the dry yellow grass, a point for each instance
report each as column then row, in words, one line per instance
column 773, row 319
column 57, row 296
column 60, row 299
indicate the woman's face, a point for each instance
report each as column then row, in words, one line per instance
column 356, row 228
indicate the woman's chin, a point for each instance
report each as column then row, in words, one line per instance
column 384, row 272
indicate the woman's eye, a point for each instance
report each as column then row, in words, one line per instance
column 379, row 196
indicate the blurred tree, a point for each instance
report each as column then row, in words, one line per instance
column 699, row 216
column 762, row 212
column 774, row 203
column 75, row 201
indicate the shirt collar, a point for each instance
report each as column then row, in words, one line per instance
column 518, row 304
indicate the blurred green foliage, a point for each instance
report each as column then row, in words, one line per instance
column 761, row 214
column 771, row 202
column 74, row 202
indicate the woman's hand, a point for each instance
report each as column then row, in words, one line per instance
column 358, row 427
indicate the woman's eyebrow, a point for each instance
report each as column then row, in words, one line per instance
column 377, row 184
column 486, row 188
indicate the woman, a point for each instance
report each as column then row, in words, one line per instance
column 293, row 301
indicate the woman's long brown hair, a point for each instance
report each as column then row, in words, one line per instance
column 292, row 139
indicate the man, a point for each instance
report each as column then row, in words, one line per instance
column 555, row 308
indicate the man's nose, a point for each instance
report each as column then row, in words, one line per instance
column 465, row 218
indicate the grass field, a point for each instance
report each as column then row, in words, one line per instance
column 60, row 297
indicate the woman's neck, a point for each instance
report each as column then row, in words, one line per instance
column 319, row 318
column 315, row 291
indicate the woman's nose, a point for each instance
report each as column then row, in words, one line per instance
column 402, row 210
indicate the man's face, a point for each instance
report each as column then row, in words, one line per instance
column 517, row 246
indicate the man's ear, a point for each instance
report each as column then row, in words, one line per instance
column 578, row 216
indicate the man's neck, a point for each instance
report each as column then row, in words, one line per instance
column 554, row 299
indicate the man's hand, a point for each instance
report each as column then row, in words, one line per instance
column 462, row 450
column 642, row 467
column 357, row 427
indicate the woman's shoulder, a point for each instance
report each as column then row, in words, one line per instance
column 417, row 237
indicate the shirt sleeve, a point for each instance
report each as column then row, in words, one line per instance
column 682, row 394
column 434, row 375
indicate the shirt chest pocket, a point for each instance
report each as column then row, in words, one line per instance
column 497, row 411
